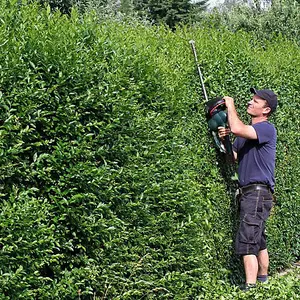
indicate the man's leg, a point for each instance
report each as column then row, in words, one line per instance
column 263, row 262
column 251, row 268
column 263, row 266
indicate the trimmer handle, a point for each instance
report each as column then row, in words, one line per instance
column 228, row 145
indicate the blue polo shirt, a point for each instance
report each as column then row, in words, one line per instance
column 256, row 158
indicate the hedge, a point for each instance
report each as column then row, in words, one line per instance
column 110, row 183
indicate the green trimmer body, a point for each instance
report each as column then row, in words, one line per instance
column 216, row 116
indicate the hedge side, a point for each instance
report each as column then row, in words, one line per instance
column 110, row 183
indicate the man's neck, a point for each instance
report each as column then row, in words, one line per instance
column 255, row 120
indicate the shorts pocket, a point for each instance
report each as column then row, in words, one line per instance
column 250, row 230
column 267, row 206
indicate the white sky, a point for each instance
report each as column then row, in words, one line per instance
column 213, row 3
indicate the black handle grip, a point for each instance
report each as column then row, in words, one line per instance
column 228, row 147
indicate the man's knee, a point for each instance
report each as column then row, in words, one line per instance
column 263, row 259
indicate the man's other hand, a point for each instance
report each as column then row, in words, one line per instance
column 222, row 132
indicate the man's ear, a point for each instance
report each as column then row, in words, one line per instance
column 267, row 110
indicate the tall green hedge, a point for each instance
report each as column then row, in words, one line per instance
column 110, row 183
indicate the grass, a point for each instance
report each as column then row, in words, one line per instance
column 282, row 285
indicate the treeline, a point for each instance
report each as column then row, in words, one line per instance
column 279, row 17
column 110, row 185
column 170, row 13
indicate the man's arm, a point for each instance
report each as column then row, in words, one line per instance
column 234, row 155
column 237, row 127
column 222, row 131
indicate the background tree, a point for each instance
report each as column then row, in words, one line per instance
column 63, row 5
column 103, row 7
column 279, row 18
column 170, row 12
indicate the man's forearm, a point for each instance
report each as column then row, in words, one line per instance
column 234, row 121
column 237, row 127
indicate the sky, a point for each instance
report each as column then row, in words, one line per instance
column 213, row 3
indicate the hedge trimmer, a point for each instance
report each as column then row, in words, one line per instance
column 215, row 112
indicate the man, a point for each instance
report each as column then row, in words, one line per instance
column 254, row 148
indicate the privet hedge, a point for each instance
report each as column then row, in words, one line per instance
column 110, row 183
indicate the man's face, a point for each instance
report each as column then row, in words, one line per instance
column 257, row 107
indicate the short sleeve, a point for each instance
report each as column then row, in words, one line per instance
column 265, row 132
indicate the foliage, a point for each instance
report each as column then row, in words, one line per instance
column 109, row 181
column 171, row 12
column 64, row 6
column 280, row 19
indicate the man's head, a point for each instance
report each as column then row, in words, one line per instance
column 268, row 95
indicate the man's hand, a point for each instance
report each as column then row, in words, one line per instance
column 222, row 132
column 229, row 102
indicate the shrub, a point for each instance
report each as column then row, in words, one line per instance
column 280, row 19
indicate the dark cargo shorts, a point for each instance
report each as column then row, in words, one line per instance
column 255, row 207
